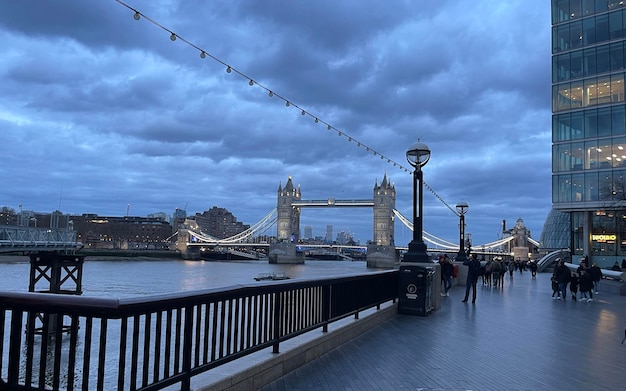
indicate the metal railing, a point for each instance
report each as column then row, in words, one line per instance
column 66, row 342
column 23, row 238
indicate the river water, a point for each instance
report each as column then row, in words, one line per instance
column 132, row 277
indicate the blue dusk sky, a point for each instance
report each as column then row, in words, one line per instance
column 102, row 113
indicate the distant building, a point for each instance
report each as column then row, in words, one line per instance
column 344, row 238
column 308, row 232
column 160, row 215
column 588, row 127
column 219, row 223
column 8, row 216
column 329, row 233
column 123, row 233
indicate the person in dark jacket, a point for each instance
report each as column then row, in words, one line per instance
column 533, row 268
column 586, row 286
column 596, row 276
column 447, row 272
column 473, row 271
column 563, row 276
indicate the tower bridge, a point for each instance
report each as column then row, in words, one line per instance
column 381, row 252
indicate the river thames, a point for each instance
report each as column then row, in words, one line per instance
column 131, row 277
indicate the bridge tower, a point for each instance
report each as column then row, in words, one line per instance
column 288, row 221
column 384, row 204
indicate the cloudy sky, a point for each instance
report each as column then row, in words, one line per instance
column 102, row 113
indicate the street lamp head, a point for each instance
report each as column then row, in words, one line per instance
column 462, row 207
column 418, row 154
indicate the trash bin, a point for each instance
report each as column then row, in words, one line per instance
column 414, row 294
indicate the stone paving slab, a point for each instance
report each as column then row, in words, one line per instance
column 514, row 338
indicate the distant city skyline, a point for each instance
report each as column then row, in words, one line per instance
column 402, row 237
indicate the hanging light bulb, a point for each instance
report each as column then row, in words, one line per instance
column 173, row 37
column 270, row 94
column 202, row 54
column 250, row 83
column 328, row 127
column 349, row 139
column 228, row 70
column 287, row 104
column 339, row 133
column 137, row 15
column 317, row 120
column 303, row 112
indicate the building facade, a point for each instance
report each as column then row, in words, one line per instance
column 589, row 125
column 123, row 233
column 219, row 223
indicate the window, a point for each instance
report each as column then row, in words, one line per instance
column 589, row 62
column 619, row 152
column 604, row 121
column 618, row 120
column 615, row 25
column 602, row 28
column 591, row 123
column 576, row 35
column 617, row 88
column 591, row 186
column 560, row 11
column 617, row 56
column 564, row 186
column 603, row 60
column 578, row 185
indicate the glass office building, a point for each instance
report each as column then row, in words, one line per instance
column 589, row 125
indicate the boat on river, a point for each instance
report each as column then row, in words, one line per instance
column 271, row 276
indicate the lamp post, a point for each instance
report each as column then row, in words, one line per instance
column 417, row 155
column 461, row 209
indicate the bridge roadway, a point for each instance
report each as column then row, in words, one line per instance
column 514, row 338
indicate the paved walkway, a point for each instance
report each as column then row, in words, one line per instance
column 513, row 338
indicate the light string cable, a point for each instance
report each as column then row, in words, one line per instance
column 288, row 103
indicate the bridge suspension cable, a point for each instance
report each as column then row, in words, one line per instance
column 259, row 228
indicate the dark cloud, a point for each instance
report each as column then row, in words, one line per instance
column 100, row 110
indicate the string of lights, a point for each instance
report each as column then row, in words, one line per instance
column 137, row 15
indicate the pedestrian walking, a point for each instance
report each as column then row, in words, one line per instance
column 447, row 272
column 473, row 271
column 563, row 276
column 586, row 286
column 596, row 276
column 555, row 287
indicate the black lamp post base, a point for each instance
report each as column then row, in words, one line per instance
column 461, row 257
column 417, row 253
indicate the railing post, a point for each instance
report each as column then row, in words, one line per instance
column 277, row 320
column 15, row 347
column 185, row 384
column 326, row 307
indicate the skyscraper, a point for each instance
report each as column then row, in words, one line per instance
column 589, row 125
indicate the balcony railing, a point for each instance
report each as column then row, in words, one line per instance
column 65, row 342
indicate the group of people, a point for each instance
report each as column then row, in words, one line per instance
column 582, row 282
column 492, row 273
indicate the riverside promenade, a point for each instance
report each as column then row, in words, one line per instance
column 513, row 338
